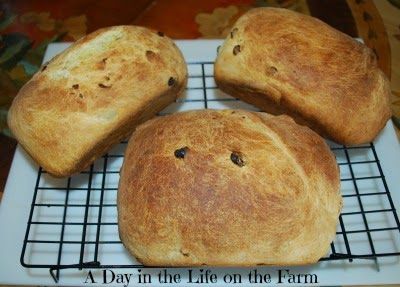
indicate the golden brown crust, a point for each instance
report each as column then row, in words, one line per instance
column 281, row 207
column 93, row 95
column 295, row 64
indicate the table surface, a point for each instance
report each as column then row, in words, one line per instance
column 17, row 200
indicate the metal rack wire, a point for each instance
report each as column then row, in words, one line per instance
column 76, row 239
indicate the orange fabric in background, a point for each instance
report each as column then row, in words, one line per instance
column 97, row 14
column 177, row 20
column 174, row 18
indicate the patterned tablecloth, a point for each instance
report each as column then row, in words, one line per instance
column 27, row 27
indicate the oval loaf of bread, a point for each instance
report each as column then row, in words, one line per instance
column 92, row 95
column 285, row 62
column 227, row 188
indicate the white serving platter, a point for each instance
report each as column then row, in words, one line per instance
column 16, row 205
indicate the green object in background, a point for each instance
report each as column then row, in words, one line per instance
column 13, row 47
column 3, row 122
column 7, row 20
column 19, row 61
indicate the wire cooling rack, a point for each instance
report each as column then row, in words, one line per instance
column 73, row 222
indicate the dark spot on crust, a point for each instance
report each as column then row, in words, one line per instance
column 271, row 70
column 81, row 96
column 150, row 55
column 107, row 78
column 181, row 153
column 186, row 254
column 171, row 81
column 161, row 34
column 237, row 158
column 236, row 50
column 233, row 32
column 75, row 86
column 44, row 68
column 101, row 64
column 101, row 85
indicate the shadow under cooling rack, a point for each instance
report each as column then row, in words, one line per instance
column 73, row 221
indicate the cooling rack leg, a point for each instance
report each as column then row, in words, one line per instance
column 56, row 275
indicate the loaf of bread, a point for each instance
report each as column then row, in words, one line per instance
column 285, row 62
column 94, row 94
column 227, row 188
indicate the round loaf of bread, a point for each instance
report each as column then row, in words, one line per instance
column 230, row 188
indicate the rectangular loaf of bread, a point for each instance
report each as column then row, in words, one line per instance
column 289, row 63
column 94, row 94
column 227, row 188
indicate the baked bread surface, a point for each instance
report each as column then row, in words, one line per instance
column 249, row 188
column 93, row 95
column 285, row 62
